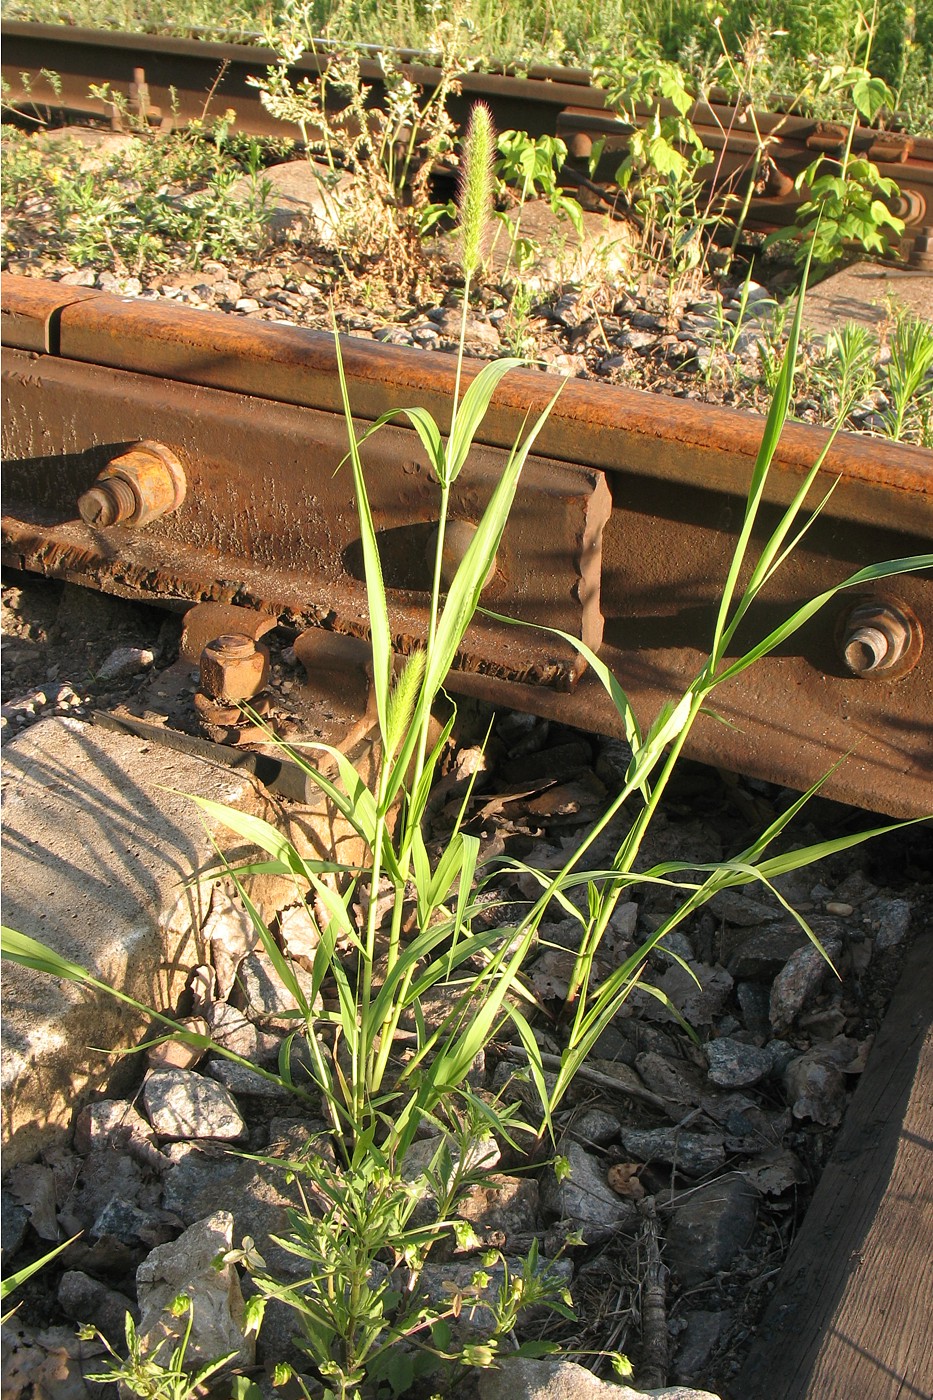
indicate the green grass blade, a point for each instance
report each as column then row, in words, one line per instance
column 472, row 410
column 774, row 426
column 379, row 628
column 464, row 592
column 10, row 1282
column 912, row 564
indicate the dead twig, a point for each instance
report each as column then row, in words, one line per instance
column 652, row 1374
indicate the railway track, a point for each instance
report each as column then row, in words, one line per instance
column 166, row 79
column 621, row 534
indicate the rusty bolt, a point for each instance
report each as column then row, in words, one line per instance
column 876, row 637
column 233, row 668
column 921, row 253
column 140, row 485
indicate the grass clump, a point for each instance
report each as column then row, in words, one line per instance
column 407, row 1132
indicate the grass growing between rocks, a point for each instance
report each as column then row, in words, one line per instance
column 406, row 1132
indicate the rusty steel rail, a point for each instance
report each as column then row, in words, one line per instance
column 622, row 531
column 170, row 79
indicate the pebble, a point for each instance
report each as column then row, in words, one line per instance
column 734, row 1065
column 183, row 1104
column 799, row 981
column 124, row 662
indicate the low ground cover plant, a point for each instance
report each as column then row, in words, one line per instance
column 406, row 1133
column 151, row 199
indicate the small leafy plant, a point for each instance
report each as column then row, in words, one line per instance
column 532, row 166
column 846, row 203
column 160, row 1374
column 364, row 157
column 660, row 174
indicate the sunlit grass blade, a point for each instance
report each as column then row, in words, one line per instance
column 774, row 426
column 379, row 626
column 912, row 564
column 472, row 410
column 463, row 595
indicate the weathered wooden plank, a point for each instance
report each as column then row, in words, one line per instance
column 853, row 1312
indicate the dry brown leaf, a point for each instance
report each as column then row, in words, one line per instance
column 623, row 1178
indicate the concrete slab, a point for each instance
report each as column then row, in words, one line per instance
column 862, row 292
column 95, row 855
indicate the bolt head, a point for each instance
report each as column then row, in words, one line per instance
column 230, row 674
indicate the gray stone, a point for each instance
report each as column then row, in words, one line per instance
column 697, row 1342
column 585, row 1198
column 108, row 1123
column 740, row 909
column 677, row 1080
column 753, row 999
column 815, row 1082
column 733, row 1064
column 480, row 335
column 799, row 981
column 520, row 1378
column 761, row 955
column 233, row 1031
column 217, row 1309
column 636, row 339
column 694, row 1154
column 13, row 1222
column 104, row 1174
column 595, row 1128
column 239, row 1079
column 258, row 1198
column 708, row 1228
column 120, row 1219
column 183, row 1104
column 124, row 662
column 87, row 1300
column 889, row 921
column 699, row 997
column 674, row 945
column 501, row 1208
column 267, row 1000
column 99, row 842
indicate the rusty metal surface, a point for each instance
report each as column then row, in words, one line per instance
column 177, row 74
column 267, row 524
column 604, row 426
column 207, row 621
column 269, row 520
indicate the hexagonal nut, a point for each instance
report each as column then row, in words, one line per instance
column 230, row 676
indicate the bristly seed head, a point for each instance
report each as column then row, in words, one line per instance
column 475, row 193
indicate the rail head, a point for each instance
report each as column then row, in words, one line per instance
column 608, row 427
